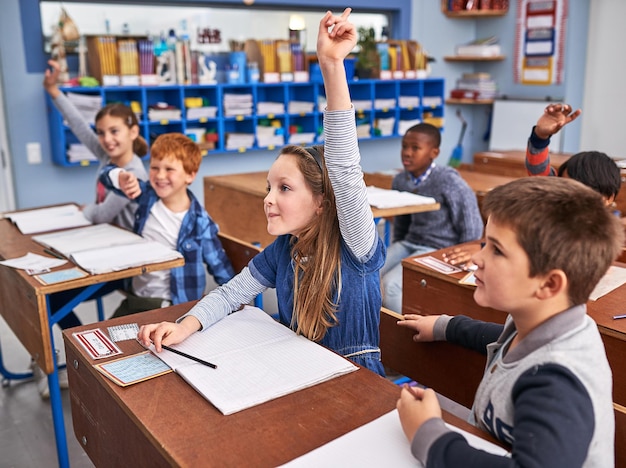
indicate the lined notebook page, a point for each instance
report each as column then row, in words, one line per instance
column 257, row 359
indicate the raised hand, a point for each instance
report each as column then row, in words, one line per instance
column 51, row 78
column 554, row 118
column 336, row 43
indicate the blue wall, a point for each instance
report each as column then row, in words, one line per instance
column 46, row 183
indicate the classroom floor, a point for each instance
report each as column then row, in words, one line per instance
column 26, row 432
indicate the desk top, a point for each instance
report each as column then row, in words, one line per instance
column 601, row 310
column 519, row 157
column 191, row 429
column 255, row 183
column 22, row 297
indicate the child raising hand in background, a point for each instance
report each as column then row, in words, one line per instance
column 326, row 259
column 116, row 141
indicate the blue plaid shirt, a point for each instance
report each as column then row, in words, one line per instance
column 197, row 241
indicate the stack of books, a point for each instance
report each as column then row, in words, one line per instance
column 475, row 86
column 236, row 141
column 267, row 136
column 300, row 107
column 78, row 152
column 237, row 104
column 196, row 113
column 265, row 108
column 408, row 101
column 163, row 111
column 487, row 47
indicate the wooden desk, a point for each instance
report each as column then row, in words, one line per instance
column 165, row 422
column 24, row 306
column 235, row 202
column 428, row 292
column 511, row 163
column 480, row 182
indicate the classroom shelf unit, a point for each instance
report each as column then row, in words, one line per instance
column 384, row 108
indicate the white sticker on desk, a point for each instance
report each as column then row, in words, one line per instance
column 438, row 265
column 97, row 344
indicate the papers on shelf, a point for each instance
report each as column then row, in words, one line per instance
column 404, row 125
column 304, row 138
column 257, row 358
column 300, row 107
column 195, row 113
column 263, row 108
column 103, row 248
column 79, row 152
column 361, row 104
column 409, row 101
column 378, row 443
column 384, row 103
column 383, row 198
column 237, row 104
column 239, row 140
column 48, row 219
column 267, row 136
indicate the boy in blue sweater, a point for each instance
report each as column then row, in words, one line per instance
column 457, row 221
column 547, row 387
column 169, row 213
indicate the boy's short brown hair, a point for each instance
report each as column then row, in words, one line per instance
column 177, row 146
column 561, row 224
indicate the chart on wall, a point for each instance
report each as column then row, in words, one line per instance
column 540, row 41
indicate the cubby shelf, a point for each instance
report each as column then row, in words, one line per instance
column 368, row 93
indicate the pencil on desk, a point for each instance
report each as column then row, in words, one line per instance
column 189, row 356
column 54, row 254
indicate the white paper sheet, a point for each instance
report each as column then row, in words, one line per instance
column 378, row 443
column 383, row 198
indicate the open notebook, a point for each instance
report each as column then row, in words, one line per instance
column 258, row 359
column 48, row 219
column 384, row 198
column 102, row 248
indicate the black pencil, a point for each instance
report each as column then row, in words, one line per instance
column 54, row 254
column 189, row 356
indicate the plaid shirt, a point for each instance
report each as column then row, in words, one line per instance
column 197, row 241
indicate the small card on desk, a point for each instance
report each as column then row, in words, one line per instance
column 61, row 276
column 97, row 344
column 438, row 265
column 128, row 370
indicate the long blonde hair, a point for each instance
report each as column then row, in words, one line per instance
column 316, row 252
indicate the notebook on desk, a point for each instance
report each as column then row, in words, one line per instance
column 48, row 219
column 102, row 248
column 257, row 358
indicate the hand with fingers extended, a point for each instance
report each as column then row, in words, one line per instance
column 422, row 325
column 461, row 256
column 336, row 37
column 554, row 118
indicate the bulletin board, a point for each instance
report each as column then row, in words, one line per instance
column 512, row 121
